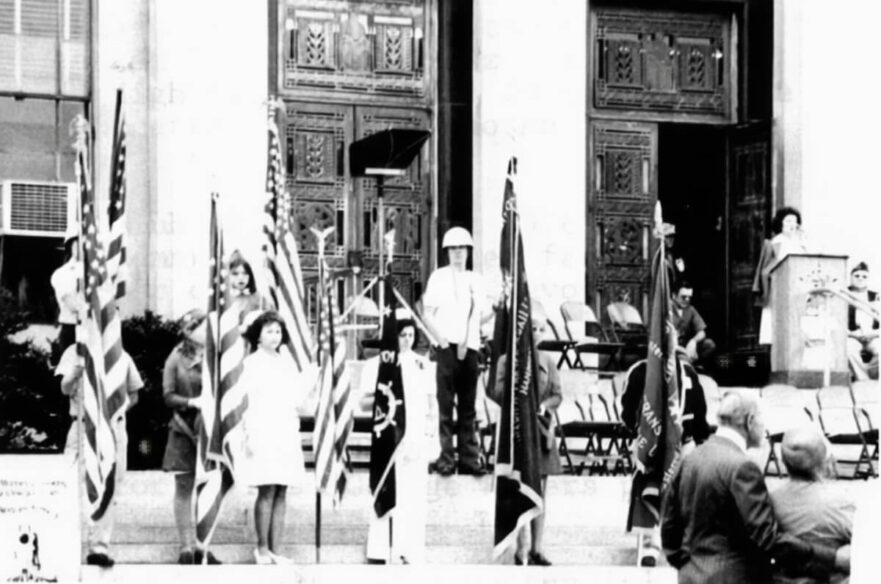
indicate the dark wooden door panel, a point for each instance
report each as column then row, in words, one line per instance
column 749, row 175
column 621, row 198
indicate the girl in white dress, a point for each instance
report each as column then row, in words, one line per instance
column 411, row 461
column 272, row 458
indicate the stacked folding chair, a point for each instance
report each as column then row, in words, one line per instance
column 589, row 338
column 784, row 408
column 846, row 425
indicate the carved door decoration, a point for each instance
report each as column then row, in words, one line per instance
column 364, row 48
column 749, row 175
column 316, row 137
column 662, row 62
column 622, row 194
column 406, row 204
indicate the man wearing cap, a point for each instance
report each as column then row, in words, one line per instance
column 862, row 335
column 455, row 305
column 807, row 505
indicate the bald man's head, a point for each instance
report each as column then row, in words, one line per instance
column 804, row 452
column 740, row 411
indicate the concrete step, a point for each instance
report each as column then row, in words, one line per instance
column 431, row 574
column 584, row 524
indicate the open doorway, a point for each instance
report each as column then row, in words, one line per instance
column 691, row 189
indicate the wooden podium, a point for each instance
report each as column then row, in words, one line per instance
column 810, row 326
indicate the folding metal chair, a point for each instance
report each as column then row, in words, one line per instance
column 589, row 337
column 628, row 328
column 845, row 424
column 784, row 408
column 557, row 344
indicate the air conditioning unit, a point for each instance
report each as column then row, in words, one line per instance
column 37, row 209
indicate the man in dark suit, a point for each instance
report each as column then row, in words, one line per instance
column 717, row 522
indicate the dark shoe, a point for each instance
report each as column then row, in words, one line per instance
column 375, row 562
column 200, row 555
column 537, row 559
column 518, row 561
column 444, row 469
column 477, row 471
column 185, row 558
column 99, row 559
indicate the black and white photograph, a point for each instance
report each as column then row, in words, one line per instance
column 496, row 291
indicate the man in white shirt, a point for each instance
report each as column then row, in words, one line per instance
column 455, row 304
column 70, row 368
column 70, row 299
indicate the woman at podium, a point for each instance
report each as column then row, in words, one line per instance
column 788, row 238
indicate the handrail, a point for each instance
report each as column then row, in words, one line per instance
column 850, row 299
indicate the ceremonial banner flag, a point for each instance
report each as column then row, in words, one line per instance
column 334, row 416
column 116, row 252
column 223, row 401
column 100, row 345
column 282, row 258
column 388, row 411
column 518, row 492
column 659, row 433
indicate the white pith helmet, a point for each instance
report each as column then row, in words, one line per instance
column 457, row 237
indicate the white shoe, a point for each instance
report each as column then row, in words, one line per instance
column 280, row 560
column 261, row 559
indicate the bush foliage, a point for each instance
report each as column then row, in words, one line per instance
column 33, row 411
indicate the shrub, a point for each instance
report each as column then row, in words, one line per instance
column 148, row 339
column 33, row 411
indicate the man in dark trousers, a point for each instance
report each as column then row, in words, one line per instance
column 717, row 521
column 694, row 428
column 456, row 305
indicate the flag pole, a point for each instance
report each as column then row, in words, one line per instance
column 318, row 527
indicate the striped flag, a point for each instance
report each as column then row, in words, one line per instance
column 334, row 416
column 100, row 346
column 223, row 401
column 282, row 259
column 116, row 209
column 389, row 418
column 518, row 467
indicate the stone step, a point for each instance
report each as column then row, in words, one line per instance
column 431, row 574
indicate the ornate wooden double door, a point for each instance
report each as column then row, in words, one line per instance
column 648, row 69
column 317, row 137
column 347, row 69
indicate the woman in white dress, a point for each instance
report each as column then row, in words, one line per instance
column 273, row 458
column 411, row 461
column 788, row 239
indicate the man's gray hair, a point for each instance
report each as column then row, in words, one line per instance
column 736, row 406
column 804, row 452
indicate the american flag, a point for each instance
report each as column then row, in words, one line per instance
column 282, row 259
column 334, row 416
column 222, row 402
column 100, row 345
column 116, row 209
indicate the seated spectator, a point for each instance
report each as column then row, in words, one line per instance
column 806, row 505
column 862, row 329
column 691, row 329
